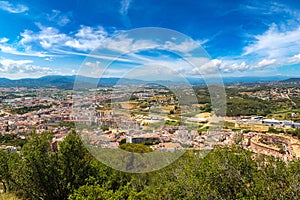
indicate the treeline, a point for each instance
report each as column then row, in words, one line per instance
column 26, row 109
column 72, row 173
column 290, row 131
column 247, row 106
column 11, row 140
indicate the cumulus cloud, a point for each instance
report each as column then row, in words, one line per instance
column 17, row 67
column 204, row 66
column 192, row 66
column 265, row 63
column 13, row 8
column 46, row 37
column 225, row 66
column 228, row 66
column 86, row 39
column 3, row 40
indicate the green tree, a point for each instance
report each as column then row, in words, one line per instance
column 44, row 174
column 73, row 164
column 4, row 169
column 104, row 127
column 37, row 175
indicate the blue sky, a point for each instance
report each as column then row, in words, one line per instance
column 243, row 38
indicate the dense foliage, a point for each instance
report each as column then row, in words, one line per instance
column 11, row 140
column 26, row 109
column 243, row 101
column 71, row 173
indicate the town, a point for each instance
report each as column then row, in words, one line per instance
column 151, row 115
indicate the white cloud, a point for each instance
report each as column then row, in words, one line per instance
column 92, row 65
column 91, row 69
column 87, row 38
column 264, row 63
column 125, row 44
column 153, row 73
column 185, row 46
column 179, row 66
column 275, row 43
column 237, row 67
column 268, row 8
column 111, row 58
column 193, row 66
column 229, row 66
column 124, row 6
column 17, row 8
column 50, row 59
column 63, row 21
column 294, row 59
column 3, row 40
column 5, row 48
column 204, row 66
column 46, row 37
column 7, row 62
column 59, row 18
column 22, row 67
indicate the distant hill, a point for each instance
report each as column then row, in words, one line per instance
column 242, row 79
column 46, row 81
column 67, row 82
column 291, row 80
column 63, row 82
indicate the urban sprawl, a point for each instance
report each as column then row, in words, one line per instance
column 152, row 116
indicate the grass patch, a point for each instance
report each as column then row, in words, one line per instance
column 8, row 196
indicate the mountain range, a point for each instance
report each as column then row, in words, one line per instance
column 67, row 82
